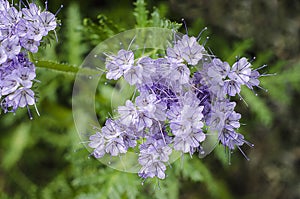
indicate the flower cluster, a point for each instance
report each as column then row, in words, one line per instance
column 181, row 97
column 21, row 31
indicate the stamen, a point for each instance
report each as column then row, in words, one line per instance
column 56, row 38
column 246, row 157
column 46, row 5
column 185, row 26
column 131, row 42
column 200, row 33
column 206, row 40
column 59, row 9
column 228, row 152
column 262, row 88
column 266, row 75
column 36, row 109
column 241, row 98
column 29, row 112
column 252, row 60
column 263, row 66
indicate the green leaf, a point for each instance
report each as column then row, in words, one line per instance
column 141, row 14
column 258, row 106
column 239, row 50
column 157, row 21
column 97, row 31
column 73, row 39
column 16, row 146
column 189, row 168
column 167, row 188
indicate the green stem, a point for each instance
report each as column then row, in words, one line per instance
column 56, row 66
column 66, row 68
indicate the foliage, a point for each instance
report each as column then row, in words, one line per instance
column 143, row 20
column 97, row 31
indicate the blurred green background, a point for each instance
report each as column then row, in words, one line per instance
column 44, row 158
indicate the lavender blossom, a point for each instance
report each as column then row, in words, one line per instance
column 16, row 83
column 187, row 49
column 240, row 71
column 22, row 30
column 154, row 153
column 134, row 75
column 118, row 64
column 178, row 102
column 112, row 140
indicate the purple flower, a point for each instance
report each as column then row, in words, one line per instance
column 20, row 98
column 109, row 140
column 187, row 49
column 4, row 5
column 179, row 72
column 231, row 139
column 156, row 168
column 118, row 64
column 11, row 46
column 232, row 121
column 30, row 44
column 3, row 56
column 253, row 79
column 148, row 66
column 31, row 13
column 48, row 21
column 187, row 143
column 98, row 143
column 151, row 107
column 134, row 75
column 177, row 105
column 17, row 76
column 12, row 15
column 9, row 85
column 220, row 111
column 186, row 124
column 128, row 113
column 111, row 129
column 36, row 31
column 21, row 30
column 218, row 71
column 19, row 27
column 115, row 146
column 154, row 153
column 240, row 71
column 232, row 87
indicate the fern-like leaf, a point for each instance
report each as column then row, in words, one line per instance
column 141, row 14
